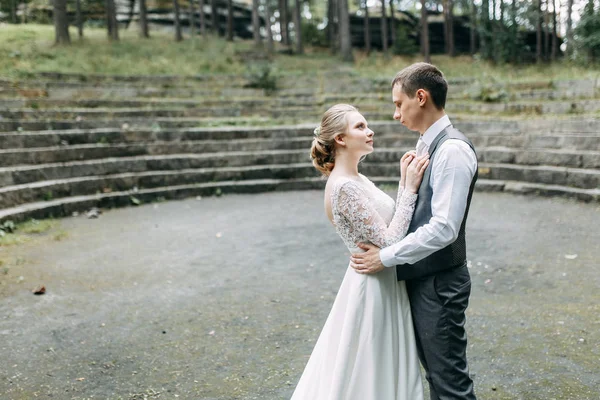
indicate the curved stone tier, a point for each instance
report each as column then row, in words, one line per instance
column 70, row 142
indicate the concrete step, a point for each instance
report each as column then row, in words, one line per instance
column 69, row 205
column 56, row 154
column 11, row 196
column 58, row 124
column 551, row 157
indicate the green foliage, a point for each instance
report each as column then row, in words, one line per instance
column 487, row 92
column 404, row 43
column 262, row 76
column 7, row 227
column 312, row 35
column 587, row 34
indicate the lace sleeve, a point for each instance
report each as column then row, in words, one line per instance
column 353, row 211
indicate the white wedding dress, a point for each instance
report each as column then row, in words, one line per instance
column 366, row 350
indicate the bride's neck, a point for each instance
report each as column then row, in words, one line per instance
column 346, row 164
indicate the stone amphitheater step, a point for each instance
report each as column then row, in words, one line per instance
column 19, row 125
column 12, row 196
column 69, row 205
column 561, row 158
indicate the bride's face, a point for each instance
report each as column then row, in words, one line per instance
column 359, row 137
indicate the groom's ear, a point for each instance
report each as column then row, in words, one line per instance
column 422, row 97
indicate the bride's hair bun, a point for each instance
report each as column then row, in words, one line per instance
column 333, row 123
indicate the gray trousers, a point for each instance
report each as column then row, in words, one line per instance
column 438, row 303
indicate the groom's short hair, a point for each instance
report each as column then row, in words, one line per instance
column 423, row 76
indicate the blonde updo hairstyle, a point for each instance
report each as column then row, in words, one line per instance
column 333, row 123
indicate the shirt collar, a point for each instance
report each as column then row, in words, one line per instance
column 435, row 129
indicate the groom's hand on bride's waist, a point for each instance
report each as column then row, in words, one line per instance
column 368, row 262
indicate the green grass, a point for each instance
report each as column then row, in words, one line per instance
column 27, row 230
column 27, row 49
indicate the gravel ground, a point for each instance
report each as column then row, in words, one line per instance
column 223, row 298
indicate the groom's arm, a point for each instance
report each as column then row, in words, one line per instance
column 454, row 166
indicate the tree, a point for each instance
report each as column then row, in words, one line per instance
column 449, row 27
column 472, row 27
column 192, row 19
column 484, row 30
column 255, row 24
column 424, row 33
column 144, row 20
column 298, row 27
column 554, row 32
column 202, row 18
column 345, row 44
column 332, row 17
column 384, row 28
column 111, row 20
column 61, row 23
column 367, row 28
column 392, row 22
column 284, row 25
column 178, row 35
column 214, row 17
column 230, row 20
column 538, row 30
column 587, row 32
column 570, row 28
column 270, row 46
column 78, row 18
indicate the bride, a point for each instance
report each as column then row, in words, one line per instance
column 366, row 350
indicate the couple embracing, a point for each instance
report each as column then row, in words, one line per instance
column 406, row 290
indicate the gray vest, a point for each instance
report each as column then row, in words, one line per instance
column 453, row 255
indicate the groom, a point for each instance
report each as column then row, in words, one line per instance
column 432, row 257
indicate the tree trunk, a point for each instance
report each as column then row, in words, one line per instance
column 13, row 11
column 298, row 27
column 214, row 17
column 111, row 17
column 131, row 12
column 192, row 19
column 345, row 43
column 538, row 30
column 546, row 31
column 473, row 28
column 502, row 13
column 570, row 28
column 230, row 20
column 332, row 13
column 202, row 18
column 178, row 35
column 286, row 25
column 515, row 31
column 79, row 18
column 61, row 23
column 144, row 20
column 484, row 26
column 445, row 20
column 270, row 46
column 554, row 33
column 392, row 23
column 424, row 33
column 255, row 24
column 384, row 29
column 367, row 28
column 452, row 49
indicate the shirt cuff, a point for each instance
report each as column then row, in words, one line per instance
column 388, row 257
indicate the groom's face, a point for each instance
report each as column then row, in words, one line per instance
column 407, row 110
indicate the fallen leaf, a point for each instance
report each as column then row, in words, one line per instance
column 39, row 290
column 570, row 256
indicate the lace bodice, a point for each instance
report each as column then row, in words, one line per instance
column 364, row 213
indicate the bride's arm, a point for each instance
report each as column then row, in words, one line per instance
column 353, row 210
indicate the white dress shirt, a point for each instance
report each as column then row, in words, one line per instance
column 452, row 171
